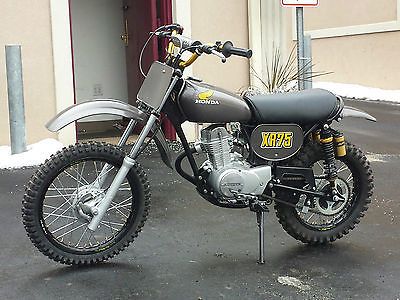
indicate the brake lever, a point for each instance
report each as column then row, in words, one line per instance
column 220, row 55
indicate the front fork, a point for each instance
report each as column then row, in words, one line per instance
column 128, row 163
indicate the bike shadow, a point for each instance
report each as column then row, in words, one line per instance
column 101, row 276
column 297, row 260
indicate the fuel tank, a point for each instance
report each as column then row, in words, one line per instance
column 204, row 103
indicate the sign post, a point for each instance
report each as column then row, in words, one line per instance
column 300, row 47
column 301, row 65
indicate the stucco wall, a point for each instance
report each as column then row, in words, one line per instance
column 366, row 59
column 27, row 22
column 370, row 59
column 339, row 13
column 220, row 21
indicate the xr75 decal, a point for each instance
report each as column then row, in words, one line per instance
column 276, row 140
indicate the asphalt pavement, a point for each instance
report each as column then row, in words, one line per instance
column 190, row 249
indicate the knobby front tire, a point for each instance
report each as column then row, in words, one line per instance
column 54, row 181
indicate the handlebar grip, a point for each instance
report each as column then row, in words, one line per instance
column 174, row 26
column 228, row 50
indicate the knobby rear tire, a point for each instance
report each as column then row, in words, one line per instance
column 39, row 184
column 288, row 216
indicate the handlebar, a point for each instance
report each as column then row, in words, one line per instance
column 174, row 33
column 228, row 49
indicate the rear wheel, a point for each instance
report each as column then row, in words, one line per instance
column 60, row 201
column 333, row 219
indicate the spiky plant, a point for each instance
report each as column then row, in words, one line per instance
column 282, row 76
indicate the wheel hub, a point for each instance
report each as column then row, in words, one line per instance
column 332, row 205
column 85, row 201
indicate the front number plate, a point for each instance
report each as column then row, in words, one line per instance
column 155, row 85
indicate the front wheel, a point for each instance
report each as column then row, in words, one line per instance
column 60, row 198
column 329, row 221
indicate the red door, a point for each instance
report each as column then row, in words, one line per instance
column 141, row 17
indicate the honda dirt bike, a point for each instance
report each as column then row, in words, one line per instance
column 89, row 201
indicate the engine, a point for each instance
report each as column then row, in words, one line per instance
column 229, row 173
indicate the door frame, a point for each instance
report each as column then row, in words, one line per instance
column 63, row 58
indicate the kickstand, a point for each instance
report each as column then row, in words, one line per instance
column 260, row 223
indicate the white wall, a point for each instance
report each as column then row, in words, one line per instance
column 99, row 53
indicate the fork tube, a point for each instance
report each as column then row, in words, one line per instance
column 127, row 132
column 146, row 130
column 102, row 175
column 128, row 163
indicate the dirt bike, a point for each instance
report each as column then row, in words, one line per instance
column 88, row 202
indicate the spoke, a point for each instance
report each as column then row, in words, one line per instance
column 62, row 227
column 76, row 179
column 319, row 164
column 342, row 168
column 72, row 230
column 60, row 216
column 59, row 208
column 349, row 178
column 80, row 239
column 49, row 206
column 94, row 238
column 117, row 208
column 83, row 168
column 120, row 204
column 62, row 186
column 312, row 215
column 113, row 223
column 65, row 198
column 57, row 196
column 112, row 228
column 79, row 174
column 95, row 168
column 62, row 189
column 88, row 239
column 101, row 175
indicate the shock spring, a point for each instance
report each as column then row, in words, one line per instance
column 328, row 148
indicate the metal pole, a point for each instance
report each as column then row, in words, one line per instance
column 307, row 62
column 15, row 98
column 300, row 45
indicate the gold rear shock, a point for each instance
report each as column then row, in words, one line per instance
column 316, row 136
column 340, row 144
column 338, row 139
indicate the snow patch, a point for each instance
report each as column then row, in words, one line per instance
column 355, row 91
column 35, row 155
column 376, row 158
column 292, row 281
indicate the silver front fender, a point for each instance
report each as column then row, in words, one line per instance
column 108, row 107
column 349, row 111
column 93, row 108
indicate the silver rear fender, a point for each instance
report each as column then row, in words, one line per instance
column 349, row 111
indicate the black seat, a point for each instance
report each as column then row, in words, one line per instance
column 304, row 107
